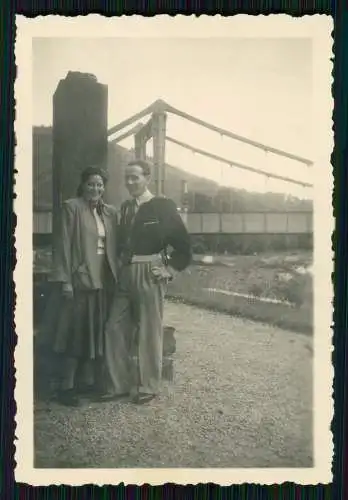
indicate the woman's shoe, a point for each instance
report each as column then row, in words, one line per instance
column 88, row 391
column 141, row 399
column 68, row 397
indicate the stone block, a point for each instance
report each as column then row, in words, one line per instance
column 169, row 342
column 168, row 368
column 169, row 348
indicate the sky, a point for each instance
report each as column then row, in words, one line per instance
column 257, row 88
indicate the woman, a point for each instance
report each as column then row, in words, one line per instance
column 134, row 334
column 85, row 267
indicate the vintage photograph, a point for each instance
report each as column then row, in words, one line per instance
column 173, row 266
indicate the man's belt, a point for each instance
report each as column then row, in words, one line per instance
column 157, row 257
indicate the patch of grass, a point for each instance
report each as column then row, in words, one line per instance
column 283, row 316
column 298, row 290
column 265, row 276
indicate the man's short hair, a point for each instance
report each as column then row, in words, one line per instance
column 144, row 165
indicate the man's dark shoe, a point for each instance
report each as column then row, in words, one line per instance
column 104, row 398
column 141, row 399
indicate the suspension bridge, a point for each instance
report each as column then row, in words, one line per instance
column 80, row 134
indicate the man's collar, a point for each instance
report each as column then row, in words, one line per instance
column 146, row 196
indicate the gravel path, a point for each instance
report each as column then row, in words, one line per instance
column 242, row 397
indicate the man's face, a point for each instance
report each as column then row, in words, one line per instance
column 136, row 181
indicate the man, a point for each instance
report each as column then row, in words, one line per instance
column 149, row 225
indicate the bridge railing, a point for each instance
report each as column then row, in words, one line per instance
column 250, row 223
column 227, row 223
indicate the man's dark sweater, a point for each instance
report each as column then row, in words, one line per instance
column 156, row 225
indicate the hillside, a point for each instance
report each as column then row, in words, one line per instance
column 204, row 195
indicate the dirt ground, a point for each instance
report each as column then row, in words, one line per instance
column 242, row 397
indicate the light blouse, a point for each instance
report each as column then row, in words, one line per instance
column 101, row 233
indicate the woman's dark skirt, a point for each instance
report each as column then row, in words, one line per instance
column 75, row 327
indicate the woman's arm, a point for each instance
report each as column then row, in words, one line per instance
column 62, row 266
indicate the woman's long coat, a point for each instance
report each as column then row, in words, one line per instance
column 75, row 255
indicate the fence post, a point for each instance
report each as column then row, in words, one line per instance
column 139, row 146
column 159, row 139
column 184, row 200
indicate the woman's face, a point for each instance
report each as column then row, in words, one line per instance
column 136, row 181
column 93, row 188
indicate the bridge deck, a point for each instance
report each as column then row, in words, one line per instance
column 236, row 223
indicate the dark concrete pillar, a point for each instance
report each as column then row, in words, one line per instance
column 79, row 134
